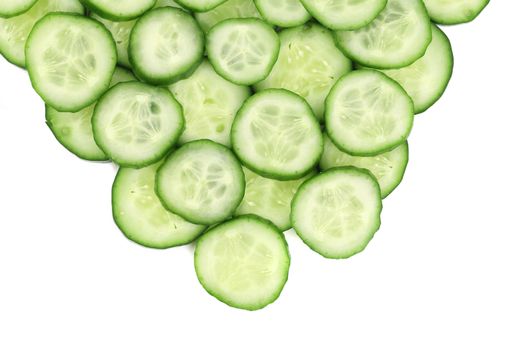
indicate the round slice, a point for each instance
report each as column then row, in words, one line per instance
column 122, row 10
column 202, row 181
column 309, row 64
column 15, row 30
column 227, row 10
column 388, row 168
column 283, row 13
column 338, row 212
column 136, row 124
column 344, row 14
column 243, row 262
column 367, row 113
column 275, row 134
column 165, row 45
column 242, row 51
column 140, row 215
column 70, row 60
column 454, row 11
column 396, row 38
column 200, row 5
column 11, row 8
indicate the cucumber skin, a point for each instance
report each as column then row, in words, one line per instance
column 469, row 19
column 102, row 13
column 195, row 9
column 288, row 25
column 231, row 303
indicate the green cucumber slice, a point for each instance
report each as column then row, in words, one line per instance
column 202, row 181
column 454, row 11
column 119, row 10
column 244, row 262
column 276, row 134
column 283, row 13
column 200, row 5
column 367, row 113
column 227, row 10
column 338, row 212
column 13, row 8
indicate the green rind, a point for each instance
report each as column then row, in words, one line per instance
column 18, row 11
column 453, row 21
column 281, row 22
column 187, row 4
column 226, row 10
column 105, row 13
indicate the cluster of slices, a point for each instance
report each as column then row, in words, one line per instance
column 233, row 121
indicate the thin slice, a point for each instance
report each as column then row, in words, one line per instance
column 396, row 38
column 139, row 214
column 11, row 8
column 243, row 263
column 210, row 103
column 275, row 134
column 123, row 10
column 309, row 64
column 227, row 10
column 367, row 113
column 202, row 181
column 454, row 11
column 200, row 5
column 136, row 124
column 283, row 13
column 388, row 168
column 338, row 212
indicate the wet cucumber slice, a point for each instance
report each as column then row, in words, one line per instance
column 268, row 198
column 70, row 60
column 75, row 131
column 227, row 10
column 309, row 64
column 344, row 14
column 15, row 30
column 242, row 50
column 136, row 124
column 244, row 262
column 165, row 45
column 139, row 214
column 200, row 5
column 11, row 8
column 275, row 134
column 210, row 103
column 119, row 10
column 283, row 13
column 396, row 38
column 388, row 168
column 337, row 212
column 202, row 181
column 367, row 113
column 454, row 11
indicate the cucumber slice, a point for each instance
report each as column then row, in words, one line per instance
column 70, row 60
column 139, row 214
column 244, row 262
column 227, row 10
column 210, row 103
column 396, row 38
column 367, row 113
column 270, row 199
column 309, row 64
column 75, row 131
column 275, row 134
column 13, row 8
column 344, row 14
column 454, row 11
column 119, row 10
column 15, row 30
column 202, row 181
column 283, row 13
column 426, row 79
column 242, row 50
column 200, row 5
column 388, row 168
column 338, row 212
column 165, row 45
column 136, row 124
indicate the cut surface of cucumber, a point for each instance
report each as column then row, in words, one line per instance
column 242, row 50
column 367, row 113
column 227, row 10
column 165, row 45
column 337, row 212
column 454, row 11
column 120, row 32
column 309, row 64
column 139, row 214
column 269, row 199
column 119, row 10
column 202, row 181
column 283, row 13
column 136, row 124
column 15, row 30
column 276, row 134
column 200, row 5
column 243, row 262
column 398, row 36
column 210, row 103
column 388, row 168
column 344, row 14
column 70, row 60
column 11, row 8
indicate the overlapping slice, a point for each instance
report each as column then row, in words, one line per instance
column 283, row 13
column 227, row 10
column 200, row 5
column 119, row 10
column 11, row 8
column 454, row 11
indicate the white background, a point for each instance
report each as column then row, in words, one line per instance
column 446, row 270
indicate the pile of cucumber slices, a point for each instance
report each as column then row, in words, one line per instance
column 233, row 121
